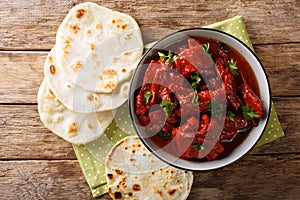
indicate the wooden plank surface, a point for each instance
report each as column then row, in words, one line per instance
column 23, row 136
column 254, row 177
column 36, row 164
column 23, row 73
column 32, row 24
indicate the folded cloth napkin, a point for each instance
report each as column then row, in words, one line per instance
column 91, row 156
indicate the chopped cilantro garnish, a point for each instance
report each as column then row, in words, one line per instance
column 231, row 115
column 169, row 58
column 166, row 105
column 206, row 49
column 147, row 96
column 195, row 81
column 198, row 146
column 248, row 113
column 232, row 67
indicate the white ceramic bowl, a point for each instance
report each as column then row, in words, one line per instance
column 264, row 89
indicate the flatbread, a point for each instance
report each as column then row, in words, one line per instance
column 77, row 128
column 98, row 48
column 132, row 172
column 76, row 98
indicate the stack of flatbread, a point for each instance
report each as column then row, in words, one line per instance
column 87, row 76
column 87, row 72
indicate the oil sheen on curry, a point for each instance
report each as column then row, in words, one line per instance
column 200, row 101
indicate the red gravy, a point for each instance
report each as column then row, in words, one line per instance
column 245, row 92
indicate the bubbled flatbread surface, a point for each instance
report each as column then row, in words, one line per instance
column 77, row 128
column 98, row 48
column 132, row 172
column 75, row 98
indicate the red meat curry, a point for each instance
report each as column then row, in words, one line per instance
column 200, row 103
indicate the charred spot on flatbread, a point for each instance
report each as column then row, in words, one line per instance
column 128, row 36
column 172, row 192
column 119, row 24
column 159, row 192
column 125, row 88
column 88, row 32
column 50, row 94
column 76, row 66
column 72, row 128
column 98, row 26
column 118, row 195
column 67, row 44
column 128, row 53
column 119, row 172
column 91, row 97
column 136, row 187
column 93, row 46
column 90, row 126
column 110, row 85
column 80, row 13
column 110, row 176
column 110, row 73
column 52, row 69
column 74, row 28
column 50, row 58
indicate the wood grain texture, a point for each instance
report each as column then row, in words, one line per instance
column 254, row 177
column 42, row 180
column 288, row 110
column 282, row 66
column 32, row 24
column 23, row 72
column 23, row 135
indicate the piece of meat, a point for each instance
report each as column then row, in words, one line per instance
column 231, row 128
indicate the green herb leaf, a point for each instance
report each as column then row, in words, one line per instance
column 195, row 98
column 216, row 109
column 169, row 58
column 195, row 81
column 232, row 67
column 206, row 49
column 164, row 136
column 161, row 56
column 166, row 105
column 231, row 115
column 147, row 96
column 248, row 113
column 198, row 146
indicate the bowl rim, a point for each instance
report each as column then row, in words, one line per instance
column 267, row 117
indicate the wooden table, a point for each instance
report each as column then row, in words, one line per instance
column 36, row 164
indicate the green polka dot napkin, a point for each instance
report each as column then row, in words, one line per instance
column 91, row 156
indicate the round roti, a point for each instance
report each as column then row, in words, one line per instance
column 98, row 48
column 77, row 128
column 77, row 99
column 132, row 172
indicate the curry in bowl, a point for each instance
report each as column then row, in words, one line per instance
column 198, row 99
